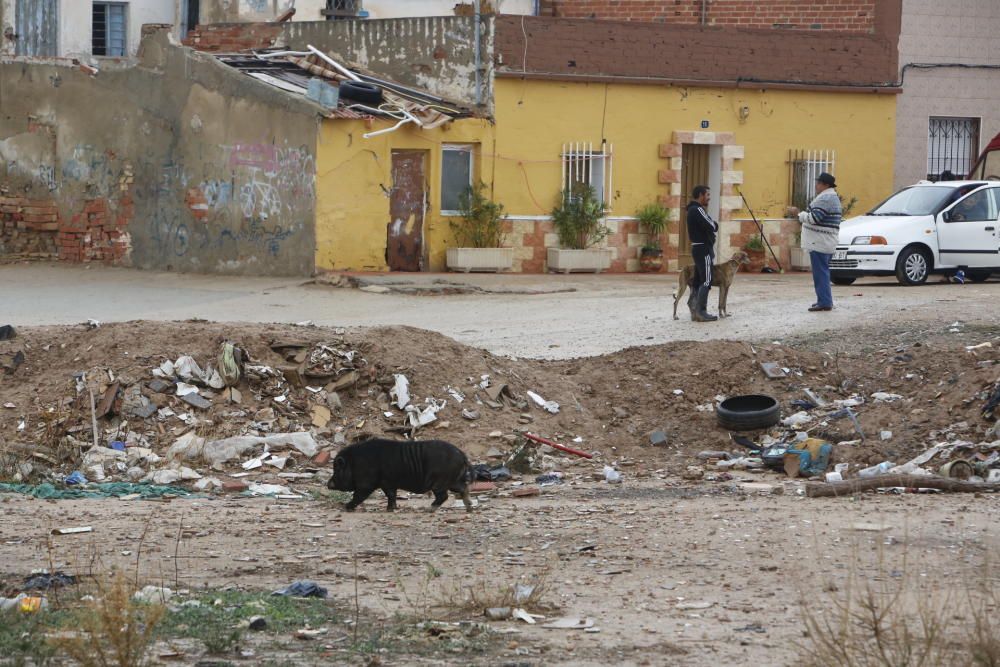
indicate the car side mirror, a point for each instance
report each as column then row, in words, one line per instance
column 946, row 216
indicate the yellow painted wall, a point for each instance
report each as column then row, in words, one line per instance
column 534, row 118
column 353, row 179
column 520, row 155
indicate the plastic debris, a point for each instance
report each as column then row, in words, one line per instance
column 401, row 391
column 549, row 406
column 302, row 589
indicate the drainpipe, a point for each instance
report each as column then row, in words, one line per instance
column 704, row 11
column 478, row 56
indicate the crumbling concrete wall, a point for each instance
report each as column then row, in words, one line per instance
column 176, row 163
column 436, row 54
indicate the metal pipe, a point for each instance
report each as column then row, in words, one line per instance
column 479, row 55
column 369, row 135
column 333, row 63
column 704, row 12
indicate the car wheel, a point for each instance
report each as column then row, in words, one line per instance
column 979, row 276
column 843, row 281
column 913, row 267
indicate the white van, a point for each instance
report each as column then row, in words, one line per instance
column 923, row 229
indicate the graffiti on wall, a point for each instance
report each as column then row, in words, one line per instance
column 252, row 202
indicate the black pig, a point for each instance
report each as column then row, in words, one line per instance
column 418, row 466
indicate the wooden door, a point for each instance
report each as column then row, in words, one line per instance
column 694, row 171
column 404, row 249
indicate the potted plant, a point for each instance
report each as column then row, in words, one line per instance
column 579, row 222
column 755, row 249
column 799, row 258
column 653, row 218
column 479, row 234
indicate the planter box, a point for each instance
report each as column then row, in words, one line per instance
column 480, row 259
column 799, row 259
column 593, row 260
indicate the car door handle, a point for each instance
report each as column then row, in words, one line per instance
column 989, row 229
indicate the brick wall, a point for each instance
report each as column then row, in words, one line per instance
column 581, row 48
column 833, row 15
column 233, row 37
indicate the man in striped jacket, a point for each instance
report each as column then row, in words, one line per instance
column 820, row 232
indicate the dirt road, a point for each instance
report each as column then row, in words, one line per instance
column 602, row 314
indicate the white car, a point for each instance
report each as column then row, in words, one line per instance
column 923, row 229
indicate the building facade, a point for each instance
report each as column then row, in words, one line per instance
column 949, row 55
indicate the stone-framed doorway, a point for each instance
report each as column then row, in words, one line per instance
column 727, row 196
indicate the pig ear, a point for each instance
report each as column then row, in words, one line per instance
column 339, row 462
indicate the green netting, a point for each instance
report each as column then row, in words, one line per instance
column 110, row 490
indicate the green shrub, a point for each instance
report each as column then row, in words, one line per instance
column 481, row 224
column 578, row 218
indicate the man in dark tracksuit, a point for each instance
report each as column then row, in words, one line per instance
column 702, row 231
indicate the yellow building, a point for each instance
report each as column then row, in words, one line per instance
column 638, row 131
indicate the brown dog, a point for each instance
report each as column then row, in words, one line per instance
column 722, row 277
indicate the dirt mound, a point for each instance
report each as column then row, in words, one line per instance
column 607, row 404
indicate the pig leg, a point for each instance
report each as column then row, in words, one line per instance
column 439, row 498
column 358, row 498
column 462, row 491
column 391, row 495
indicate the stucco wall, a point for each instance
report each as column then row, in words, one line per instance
column 962, row 31
column 226, row 11
column 180, row 161
column 75, row 20
column 519, row 158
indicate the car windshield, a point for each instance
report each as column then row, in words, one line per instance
column 916, row 201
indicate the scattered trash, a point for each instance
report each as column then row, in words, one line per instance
column 401, row 391
column 257, row 623
column 153, row 595
column 772, row 370
column 44, row 581
column 612, row 476
column 548, row 406
column 25, row 604
column 882, row 396
column 569, row 623
column 689, row 606
column 72, row 531
column 75, row 477
column 549, row 479
column 658, row 438
column 7, row 332
column 796, row 420
column 302, row 589
column 564, row 448
column 876, row 470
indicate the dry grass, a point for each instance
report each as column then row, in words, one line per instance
column 893, row 619
column 477, row 596
column 114, row 630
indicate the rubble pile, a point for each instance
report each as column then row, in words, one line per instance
column 261, row 408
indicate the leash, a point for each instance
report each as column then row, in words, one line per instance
column 760, row 227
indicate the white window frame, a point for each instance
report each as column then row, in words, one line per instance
column 471, row 150
column 803, row 168
column 581, row 163
column 125, row 21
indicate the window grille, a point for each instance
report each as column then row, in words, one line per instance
column 804, row 167
column 581, row 163
column 952, row 145
column 108, row 29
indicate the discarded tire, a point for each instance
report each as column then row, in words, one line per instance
column 361, row 91
column 748, row 413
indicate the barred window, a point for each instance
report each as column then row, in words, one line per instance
column 804, row 167
column 952, row 146
column 582, row 163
